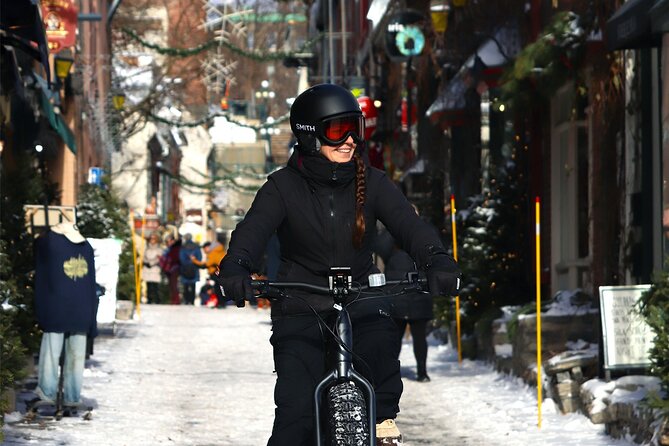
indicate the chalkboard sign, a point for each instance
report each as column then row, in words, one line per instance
column 627, row 337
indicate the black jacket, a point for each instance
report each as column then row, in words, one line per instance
column 310, row 203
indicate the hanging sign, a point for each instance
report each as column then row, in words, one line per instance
column 410, row 41
column 404, row 36
column 60, row 24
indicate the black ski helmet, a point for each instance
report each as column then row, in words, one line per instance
column 321, row 104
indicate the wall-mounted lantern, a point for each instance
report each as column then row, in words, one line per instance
column 63, row 62
column 118, row 100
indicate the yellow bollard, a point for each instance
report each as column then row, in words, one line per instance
column 457, row 298
column 140, row 263
column 134, row 262
column 538, row 279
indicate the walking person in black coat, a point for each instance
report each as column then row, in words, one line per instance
column 323, row 207
column 415, row 310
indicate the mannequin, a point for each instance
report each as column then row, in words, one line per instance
column 66, row 308
column 70, row 231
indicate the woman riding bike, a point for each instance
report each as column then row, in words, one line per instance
column 324, row 206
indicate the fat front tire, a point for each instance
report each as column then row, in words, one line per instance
column 347, row 418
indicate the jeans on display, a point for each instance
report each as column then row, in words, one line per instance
column 73, row 369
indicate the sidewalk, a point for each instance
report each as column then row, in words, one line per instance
column 185, row 375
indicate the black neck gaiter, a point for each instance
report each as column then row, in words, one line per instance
column 321, row 170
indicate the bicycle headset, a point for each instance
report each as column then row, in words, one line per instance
column 326, row 114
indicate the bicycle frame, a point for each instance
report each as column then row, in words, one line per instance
column 344, row 371
column 339, row 289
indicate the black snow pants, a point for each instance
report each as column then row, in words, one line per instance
column 300, row 364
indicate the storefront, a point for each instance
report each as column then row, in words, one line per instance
column 641, row 26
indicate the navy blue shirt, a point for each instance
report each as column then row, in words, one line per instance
column 65, row 298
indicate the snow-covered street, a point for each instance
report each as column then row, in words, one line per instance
column 196, row 376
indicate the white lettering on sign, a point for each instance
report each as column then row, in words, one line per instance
column 395, row 27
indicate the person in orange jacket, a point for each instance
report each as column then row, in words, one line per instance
column 213, row 255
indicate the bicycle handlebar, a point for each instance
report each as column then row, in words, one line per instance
column 260, row 285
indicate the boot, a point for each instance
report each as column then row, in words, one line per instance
column 422, row 377
column 387, row 434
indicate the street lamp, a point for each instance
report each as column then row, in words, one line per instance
column 264, row 95
column 118, row 100
column 63, row 63
column 266, row 132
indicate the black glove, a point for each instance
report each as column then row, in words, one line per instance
column 442, row 282
column 237, row 288
column 443, row 276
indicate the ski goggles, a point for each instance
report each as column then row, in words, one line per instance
column 336, row 130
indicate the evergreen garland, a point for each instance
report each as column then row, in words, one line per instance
column 187, row 52
column 209, row 118
column 230, row 180
column 546, row 64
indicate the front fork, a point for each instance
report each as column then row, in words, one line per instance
column 344, row 371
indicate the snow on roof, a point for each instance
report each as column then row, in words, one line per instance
column 226, row 132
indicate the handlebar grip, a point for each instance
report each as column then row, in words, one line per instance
column 259, row 283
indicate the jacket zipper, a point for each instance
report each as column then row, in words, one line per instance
column 333, row 217
column 334, row 230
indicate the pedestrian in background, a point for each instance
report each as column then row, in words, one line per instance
column 414, row 310
column 189, row 273
column 151, row 269
column 214, row 253
column 169, row 263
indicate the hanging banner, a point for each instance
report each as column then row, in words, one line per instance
column 60, row 24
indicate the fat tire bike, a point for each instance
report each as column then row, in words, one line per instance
column 346, row 395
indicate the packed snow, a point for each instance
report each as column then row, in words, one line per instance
column 198, row 376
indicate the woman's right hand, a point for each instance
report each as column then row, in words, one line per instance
column 237, row 288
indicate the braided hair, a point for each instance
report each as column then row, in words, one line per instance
column 360, row 191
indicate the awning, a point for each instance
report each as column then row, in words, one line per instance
column 55, row 119
column 450, row 108
column 417, row 168
column 630, row 26
column 659, row 17
column 21, row 26
column 485, row 65
column 489, row 60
